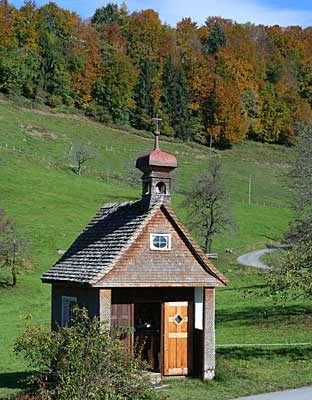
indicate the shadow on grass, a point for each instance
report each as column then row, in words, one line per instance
column 257, row 315
column 249, row 353
column 13, row 380
column 4, row 283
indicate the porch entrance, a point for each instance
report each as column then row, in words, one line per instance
column 162, row 318
column 147, row 336
column 162, row 330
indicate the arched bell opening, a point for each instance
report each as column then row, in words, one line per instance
column 161, row 188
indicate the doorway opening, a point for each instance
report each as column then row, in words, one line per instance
column 147, row 323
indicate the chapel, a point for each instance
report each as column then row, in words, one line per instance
column 136, row 265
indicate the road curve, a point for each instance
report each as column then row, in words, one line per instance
column 252, row 259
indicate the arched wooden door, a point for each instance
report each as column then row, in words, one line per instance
column 177, row 338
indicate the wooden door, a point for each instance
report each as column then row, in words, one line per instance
column 176, row 338
column 121, row 319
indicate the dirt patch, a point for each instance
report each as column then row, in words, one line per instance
column 38, row 132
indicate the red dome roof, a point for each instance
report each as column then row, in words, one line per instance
column 156, row 158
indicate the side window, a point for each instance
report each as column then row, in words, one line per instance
column 67, row 306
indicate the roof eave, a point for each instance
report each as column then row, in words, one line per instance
column 156, row 284
column 66, row 282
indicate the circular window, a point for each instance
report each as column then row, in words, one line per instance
column 160, row 242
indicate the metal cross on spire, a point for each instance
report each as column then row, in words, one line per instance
column 156, row 133
column 157, row 119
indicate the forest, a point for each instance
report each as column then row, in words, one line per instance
column 222, row 82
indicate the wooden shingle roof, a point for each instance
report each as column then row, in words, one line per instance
column 100, row 243
column 107, row 238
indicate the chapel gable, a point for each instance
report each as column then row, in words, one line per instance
column 161, row 255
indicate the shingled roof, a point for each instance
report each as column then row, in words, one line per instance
column 101, row 242
column 108, row 236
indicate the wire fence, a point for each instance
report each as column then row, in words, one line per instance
column 108, row 149
column 107, row 175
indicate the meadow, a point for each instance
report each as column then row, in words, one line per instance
column 51, row 205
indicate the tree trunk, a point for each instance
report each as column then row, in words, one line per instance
column 14, row 278
column 208, row 244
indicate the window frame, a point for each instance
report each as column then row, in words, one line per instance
column 166, row 235
column 65, row 310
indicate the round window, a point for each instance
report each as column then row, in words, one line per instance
column 160, row 242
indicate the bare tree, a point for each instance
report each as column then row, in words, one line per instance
column 79, row 154
column 207, row 203
column 14, row 252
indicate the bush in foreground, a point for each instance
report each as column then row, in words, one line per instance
column 82, row 362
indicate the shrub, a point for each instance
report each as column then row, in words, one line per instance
column 14, row 252
column 82, row 362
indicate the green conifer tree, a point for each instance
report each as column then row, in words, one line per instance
column 144, row 97
column 181, row 117
column 109, row 14
column 216, row 39
column 169, row 88
column 175, row 99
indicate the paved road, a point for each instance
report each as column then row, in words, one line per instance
column 252, row 259
column 304, row 393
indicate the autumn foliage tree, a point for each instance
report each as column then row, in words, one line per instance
column 108, row 22
column 226, row 121
column 114, row 87
column 143, row 34
column 227, row 81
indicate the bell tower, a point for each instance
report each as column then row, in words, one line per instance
column 156, row 167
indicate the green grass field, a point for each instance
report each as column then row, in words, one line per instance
column 51, row 205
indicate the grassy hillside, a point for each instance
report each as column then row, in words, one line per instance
column 51, row 205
